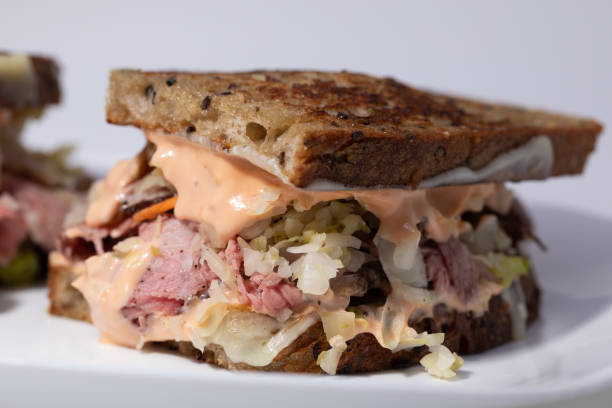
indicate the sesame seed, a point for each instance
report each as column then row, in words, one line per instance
column 440, row 153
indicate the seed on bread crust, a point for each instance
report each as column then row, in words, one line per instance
column 150, row 93
column 205, row 103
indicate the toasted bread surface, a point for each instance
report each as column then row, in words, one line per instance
column 348, row 128
column 465, row 333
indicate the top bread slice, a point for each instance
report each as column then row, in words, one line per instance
column 348, row 128
column 27, row 81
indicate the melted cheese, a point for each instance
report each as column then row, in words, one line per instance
column 16, row 67
column 533, row 160
column 18, row 76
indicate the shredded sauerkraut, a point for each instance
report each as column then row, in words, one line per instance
column 441, row 362
column 328, row 360
column 311, row 246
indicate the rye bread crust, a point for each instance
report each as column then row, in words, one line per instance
column 64, row 299
column 465, row 333
column 349, row 128
column 45, row 82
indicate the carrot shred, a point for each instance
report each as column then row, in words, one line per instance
column 154, row 210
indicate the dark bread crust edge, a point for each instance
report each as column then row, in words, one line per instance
column 379, row 159
column 465, row 333
column 46, row 75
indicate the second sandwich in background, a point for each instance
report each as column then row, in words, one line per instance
column 313, row 222
column 38, row 190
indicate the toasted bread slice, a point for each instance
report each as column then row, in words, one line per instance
column 347, row 128
column 465, row 333
column 64, row 299
column 28, row 81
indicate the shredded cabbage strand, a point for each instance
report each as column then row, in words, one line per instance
column 441, row 362
column 310, row 246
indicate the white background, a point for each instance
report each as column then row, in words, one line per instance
column 551, row 54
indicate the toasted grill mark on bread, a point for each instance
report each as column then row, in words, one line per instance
column 349, row 128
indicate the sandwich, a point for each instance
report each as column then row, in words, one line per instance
column 37, row 190
column 313, row 222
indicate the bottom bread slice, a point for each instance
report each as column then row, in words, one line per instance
column 465, row 333
column 64, row 299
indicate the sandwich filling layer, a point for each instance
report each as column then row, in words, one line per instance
column 196, row 245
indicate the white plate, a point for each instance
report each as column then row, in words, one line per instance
column 565, row 355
